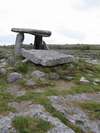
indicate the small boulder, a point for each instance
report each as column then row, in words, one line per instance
column 3, row 71
column 83, row 80
column 30, row 83
column 12, row 77
column 39, row 74
column 97, row 81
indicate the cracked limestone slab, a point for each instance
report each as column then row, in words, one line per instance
column 73, row 113
column 37, row 111
column 46, row 57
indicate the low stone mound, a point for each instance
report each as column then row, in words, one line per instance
column 46, row 57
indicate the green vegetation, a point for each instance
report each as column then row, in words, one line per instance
column 93, row 109
column 22, row 67
column 83, row 89
column 4, row 99
column 3, row 85
column 30, row 125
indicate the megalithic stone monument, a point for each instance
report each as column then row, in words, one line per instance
column 38, row 42
column 39, row 55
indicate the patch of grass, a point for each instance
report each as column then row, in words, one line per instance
column 93, row 109
column 3, row 84
column 29, row 96
column 4, row 108
column 83, row 89
column 4, row 99
column 30, row 125
column 44, row 82
column 21, row 67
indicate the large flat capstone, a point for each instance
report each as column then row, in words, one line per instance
column 46, row 57
column 43, row 33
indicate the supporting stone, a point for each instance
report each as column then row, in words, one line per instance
column 18, row 43
column 37, row 42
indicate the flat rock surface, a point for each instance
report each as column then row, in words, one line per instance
column 33, row 110
column 44, row 33
column 75, row 114
column 47, row 57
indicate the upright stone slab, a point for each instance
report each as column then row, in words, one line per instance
column 18, row 43
column 47, row 57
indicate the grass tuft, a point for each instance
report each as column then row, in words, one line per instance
column 30, row 125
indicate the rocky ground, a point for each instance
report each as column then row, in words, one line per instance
column 60, row 99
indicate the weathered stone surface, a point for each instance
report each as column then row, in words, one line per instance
column 18, row 43
column 74, row 113
column 44, row 33
column 47, row 57
column 3, row 63
column 97, row 80
column 38, row 74
column 32, row 110
column 2, row 71
column 11, row 60
column 30, row 83
column 16, row 90
column 12, row 77
column 5, row 123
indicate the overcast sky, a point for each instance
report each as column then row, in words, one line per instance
column 71, row 21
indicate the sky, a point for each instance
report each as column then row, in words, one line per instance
column 70, row 21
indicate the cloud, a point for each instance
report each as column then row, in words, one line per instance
column 69, row 20
column 69, row 33
column 86, row 4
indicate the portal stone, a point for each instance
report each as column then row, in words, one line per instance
column 18, row 43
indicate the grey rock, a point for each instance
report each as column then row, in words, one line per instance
column 54, row 76
column 3, row 64
column 32, row 110
column 11, row 60
column 30, row 83
column 46, row 57
column 73, row 113
column 16, row 90
column 97, row 80
column 2, row 60
column 24, row 61
column 39, row 74
column 18, row 43
column 83, row 80
column 6, row 123
column 3, row 71
column 12, row 77
column 44, row 33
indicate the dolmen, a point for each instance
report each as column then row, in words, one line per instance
column 38, row 42
column 40, row 54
